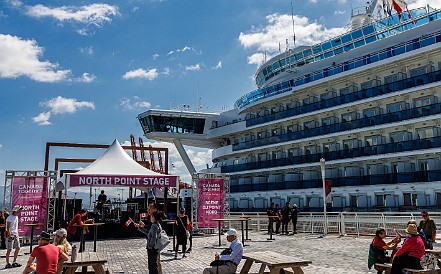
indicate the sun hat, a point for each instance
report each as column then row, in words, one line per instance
column 61, row 232
column 412, row 229
column 231, row 232
column 17, row 208
column 44, row 235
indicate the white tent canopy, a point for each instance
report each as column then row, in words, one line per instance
column 115, row 168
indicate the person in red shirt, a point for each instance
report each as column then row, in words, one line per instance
column 380, row 246
column 410, row 253
column 48, row 256
column 72, row 229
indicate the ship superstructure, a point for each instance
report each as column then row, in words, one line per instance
column 367, row 101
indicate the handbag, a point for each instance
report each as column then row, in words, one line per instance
column 162, row 240
column 187, row 233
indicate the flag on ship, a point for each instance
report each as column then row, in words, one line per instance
column 399, row 6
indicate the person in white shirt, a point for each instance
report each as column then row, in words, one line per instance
column 12, row 238
column 227, row 262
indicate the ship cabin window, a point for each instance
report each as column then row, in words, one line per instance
column 438, row 199
column 418, row 71
column 260, row 135
column 398, row 106
column 350, row 144
column 347, row 117
column 370, row 112
column 423, row 101
column 385, row 200
column 262, row 157
column 309, row 100
column 293, row 152
column 292, row 128
column 328, row 95
column 391, row 78
column 328, row 121
column 235, row 162
column 345, row 91
column 424, row 165
column 397, row 137
column 309, row 125
column 395, row 168
column 366, row 85
column 353, row 201
column 235, row 141
column 373, row 140
column 276, row 131
column 427, row 132
column 328, row 147
column 410, row 199
column 292, row 105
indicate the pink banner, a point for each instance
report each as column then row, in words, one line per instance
column 210, row 201
column 31, row 194
column 120, row 180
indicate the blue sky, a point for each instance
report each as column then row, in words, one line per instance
column 81, row 71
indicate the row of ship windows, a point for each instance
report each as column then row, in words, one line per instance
column 337, row 69
column 418, row 103
column 428, row 134
column 345, row 171
column 334, row 47
column 328, row 94
column 362, row 200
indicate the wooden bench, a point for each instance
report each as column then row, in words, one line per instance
column 275, row 262
column 386, row 267
column 94, row 259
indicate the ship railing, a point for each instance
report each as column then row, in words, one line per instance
column 340, row 223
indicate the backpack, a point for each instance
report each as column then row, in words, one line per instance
column 162, row 241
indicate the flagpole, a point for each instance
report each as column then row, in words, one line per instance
column 325, row 221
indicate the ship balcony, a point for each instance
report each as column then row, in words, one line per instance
column 340, row 127
column 373, row 57
column 365, row 180
column 403, row 146
column 349, row 98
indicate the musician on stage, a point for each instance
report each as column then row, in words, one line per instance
column 102, row 198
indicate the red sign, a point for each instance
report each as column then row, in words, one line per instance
column 31, row 194
column 210, row 201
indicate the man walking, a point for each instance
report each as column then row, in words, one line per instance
column 427, row 224
column 294, row 212
column 12, row 238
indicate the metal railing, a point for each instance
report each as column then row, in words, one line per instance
column 341, row 223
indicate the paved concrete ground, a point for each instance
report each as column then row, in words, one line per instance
column 328, row 255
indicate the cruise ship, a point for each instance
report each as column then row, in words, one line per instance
column 367, row 101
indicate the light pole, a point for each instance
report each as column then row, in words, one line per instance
column 74, row 204
column 325, row 221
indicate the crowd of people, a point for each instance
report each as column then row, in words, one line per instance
column 282, row 217
column 419, row 237
column 49, row 258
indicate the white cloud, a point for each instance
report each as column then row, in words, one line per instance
column 21, row 58
column 134, row 103
column 339, row 12
column 155, row 56
column 60, row 105
column 256, row 58
column 93, row 14
column 342, row 1
column 86, row 78
column 279, row 27
column 87, row 50
column 42, row 119
column 423, row 3
column 170, row 52
column 218, row 66
column 141, row 73
column 1, row 146
column 166, row 71
column 184, row 49
column 195, row 67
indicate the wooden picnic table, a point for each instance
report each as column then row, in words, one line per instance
column 95, row 230
column 274, row 261
column 241, row 220
column 32, row 234
column 94, row 259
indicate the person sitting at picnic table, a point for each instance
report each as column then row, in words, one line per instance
column 229, row 259
column 48, row 256
column 61, row 242
column 410, row 253
column 378, row 247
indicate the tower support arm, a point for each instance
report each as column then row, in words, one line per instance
column 184, row 156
